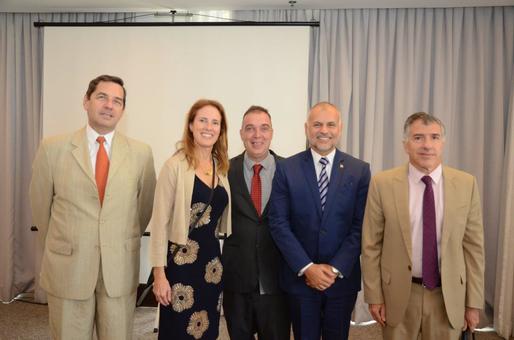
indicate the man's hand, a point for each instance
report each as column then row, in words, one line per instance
column 161, row 286
column 319, row 276
column 471, row 318
column 378, row 312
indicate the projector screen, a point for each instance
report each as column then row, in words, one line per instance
column 167, row 68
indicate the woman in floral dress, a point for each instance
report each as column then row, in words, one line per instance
column 191, row 207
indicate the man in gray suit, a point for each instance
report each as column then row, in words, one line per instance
column 252, row 300
column 91, row 195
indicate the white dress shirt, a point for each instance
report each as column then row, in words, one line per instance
column 93, row 145
column 416, row 190
column 318, row 167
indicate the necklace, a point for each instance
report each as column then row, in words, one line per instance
column 207, row 171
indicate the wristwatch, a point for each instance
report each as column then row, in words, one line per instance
column 337, row 272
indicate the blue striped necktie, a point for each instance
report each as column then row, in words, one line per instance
column 323, row 182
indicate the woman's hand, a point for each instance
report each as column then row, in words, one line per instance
column 161, row 286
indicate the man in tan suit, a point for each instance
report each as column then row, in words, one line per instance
column 91, row 195
column 422, row 242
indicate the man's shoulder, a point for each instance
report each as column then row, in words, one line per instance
column 277, row 157
column 300, row 156
column 351, row 159
column 59, row 141
column 236, row 166
column 457, row 174
column 388, row 174
column 135, row 145
column 239, row 158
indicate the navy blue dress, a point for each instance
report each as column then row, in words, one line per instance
column 195, row 273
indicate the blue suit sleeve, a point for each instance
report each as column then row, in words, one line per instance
column 348, row 254
column 280, row 222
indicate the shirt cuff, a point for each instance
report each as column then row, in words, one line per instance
column 300, row 273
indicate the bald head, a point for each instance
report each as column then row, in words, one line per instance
column 323, row 127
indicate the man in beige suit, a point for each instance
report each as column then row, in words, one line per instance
column 91, row 226
column 422, row 242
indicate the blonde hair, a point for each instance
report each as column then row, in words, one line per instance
column 219, row 149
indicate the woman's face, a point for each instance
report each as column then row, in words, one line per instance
column 206, row 126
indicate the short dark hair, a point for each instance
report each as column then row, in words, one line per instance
column 425, row 118
column 256, row 108
column 107, row 78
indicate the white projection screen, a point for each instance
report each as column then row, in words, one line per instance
column 167, row 68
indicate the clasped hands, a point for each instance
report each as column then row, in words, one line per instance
column 319, row 276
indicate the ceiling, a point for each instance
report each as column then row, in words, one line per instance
column 162, row 5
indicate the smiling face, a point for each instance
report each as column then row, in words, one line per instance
column 104, row 107
column 424, row 144
column 206, row 127
column 323, row 128
column 256, row 134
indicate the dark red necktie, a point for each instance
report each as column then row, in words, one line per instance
column 101, row 168
column 256, row 190
column 430, row 260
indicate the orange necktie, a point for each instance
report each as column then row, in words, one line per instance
column 101, row 168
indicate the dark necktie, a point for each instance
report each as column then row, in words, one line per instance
column 323, row 182
column 430, row 260
column 256, row 190
column 101, row 168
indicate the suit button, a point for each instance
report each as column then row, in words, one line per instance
column 409, row 267
column 323, row 231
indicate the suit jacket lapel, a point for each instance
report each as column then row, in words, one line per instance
column 401, row 199
column 449, row 207
column 241, row 185
column 81, row 154
column 277, row 158
column 336, row 176
column 119, row 151
column 311, row 179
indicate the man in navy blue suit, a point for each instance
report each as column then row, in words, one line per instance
column 316, row 212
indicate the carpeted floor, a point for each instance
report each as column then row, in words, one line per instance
column 21, row 320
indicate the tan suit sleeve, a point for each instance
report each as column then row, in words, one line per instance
column 164, row 200
column 41, row 192
column 473, row 245
column 146, row 190
column 372, row 241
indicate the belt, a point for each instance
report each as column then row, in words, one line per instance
column 417, row 280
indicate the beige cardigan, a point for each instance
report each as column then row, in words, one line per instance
column 172, row 205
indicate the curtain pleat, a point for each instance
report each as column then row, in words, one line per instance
column 381, row 65
column 377, row 65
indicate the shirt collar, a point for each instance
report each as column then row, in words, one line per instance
column 92, row 135
column 416, row 175
column 266, row 162
column 330, row 157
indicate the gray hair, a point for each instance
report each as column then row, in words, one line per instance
column 426, row 119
